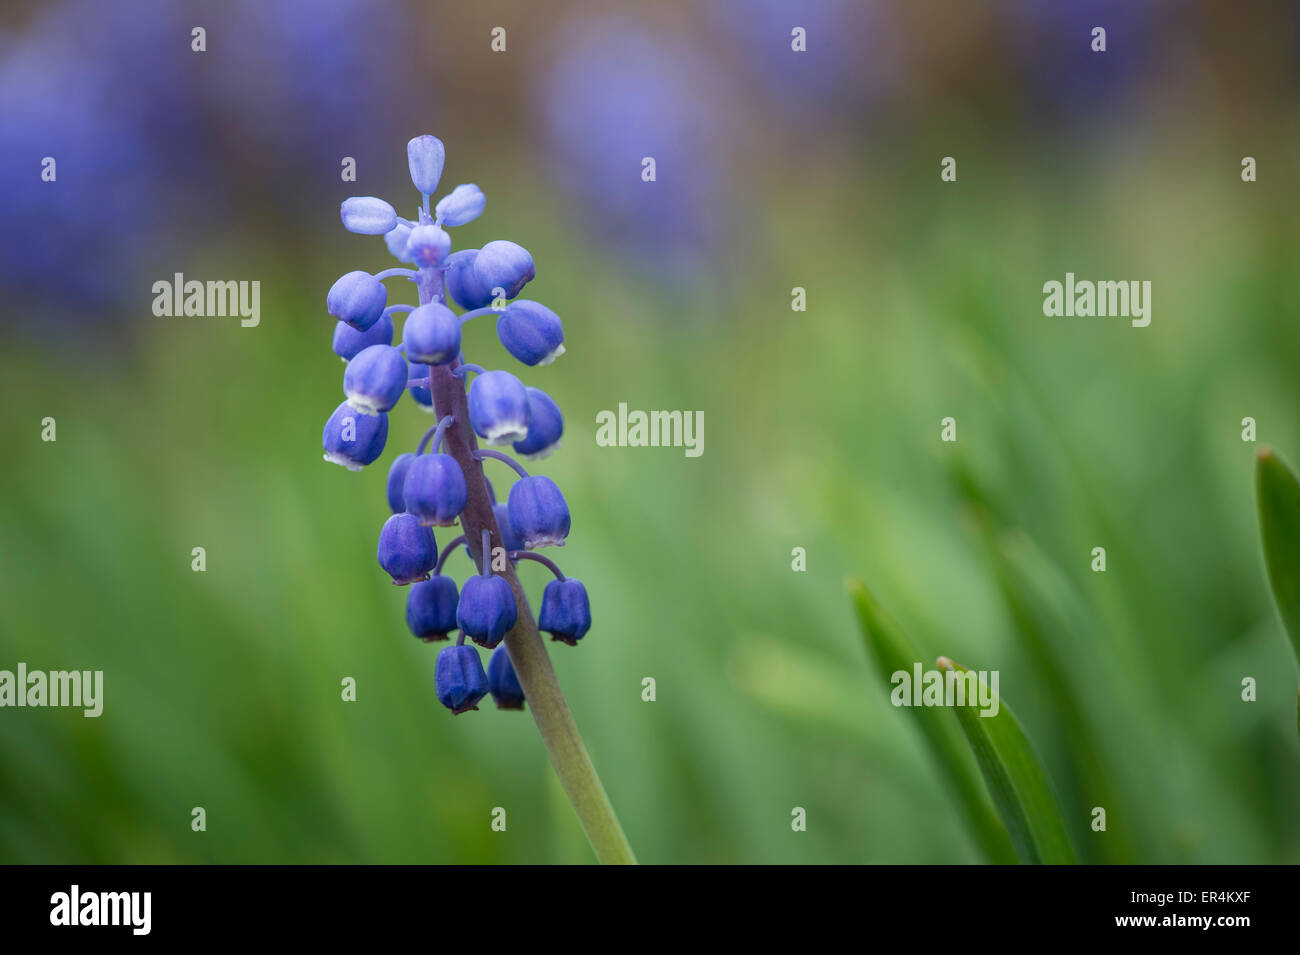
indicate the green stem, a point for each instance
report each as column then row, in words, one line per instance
column 528, row 654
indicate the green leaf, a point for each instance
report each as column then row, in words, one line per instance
column 1016, row 779
column 893, row 652
column 1279, row 527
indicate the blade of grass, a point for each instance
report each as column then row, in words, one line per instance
column 1016, row 779
column 1279, row 527
column 892, row 651
column 1032, row 588
column 1278, row 492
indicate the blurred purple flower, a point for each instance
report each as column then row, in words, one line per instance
column 1061, row 75
column 106, row 96
column 613, row 93
column 853, row 52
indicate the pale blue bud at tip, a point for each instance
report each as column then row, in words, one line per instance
column 463, row 204
column 427, row 246
column 367, row 215
column 505, row 265
column 425, row 155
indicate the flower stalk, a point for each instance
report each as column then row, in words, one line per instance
column 532, row 664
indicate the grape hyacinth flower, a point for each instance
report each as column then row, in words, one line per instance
column 502, row 682
column 442, row 482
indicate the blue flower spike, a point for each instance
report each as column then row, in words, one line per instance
column 503, row 683
column 375, row 379
column 390, row 349
column 407, row 550
column 458, row 678
column 358, row 299
column 498, row 407
column 531, row 332
column 566, row 611
column 538, row 512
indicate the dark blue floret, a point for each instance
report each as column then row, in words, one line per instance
column 357, row 298
column 464, row 287
column 435, row 489
column 397, row 481
column 353, row 439
column 504, row 265
column 545, row 426
column 566, row 612
column 348, row 342
column 458, row 678
column 422, row 395
column 431, row 607
column 531, row 332
column 407, row 549
column 431, row 335
column 375, row 379
column 509, row 539
column 498, row 407
column 487, row 609
column 503, row 683
column 538, row 511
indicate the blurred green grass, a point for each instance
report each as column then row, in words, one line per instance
column 821, row 431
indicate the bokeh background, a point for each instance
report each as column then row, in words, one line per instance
column 775, row 169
